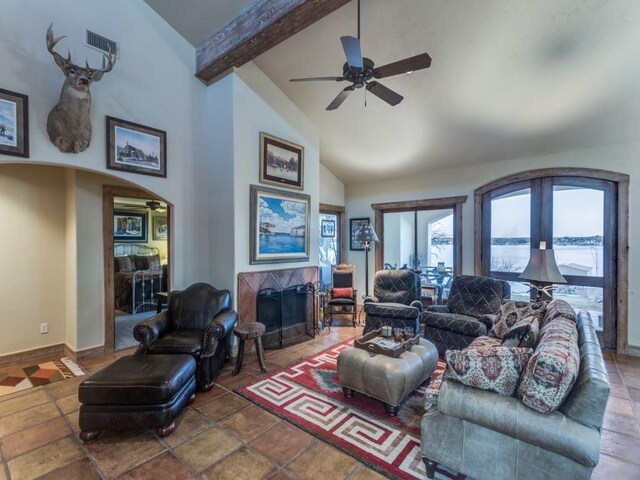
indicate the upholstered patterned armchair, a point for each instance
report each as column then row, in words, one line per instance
column 395, row 302
column 468, row 314
column 198, row 322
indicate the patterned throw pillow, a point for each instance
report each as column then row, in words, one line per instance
column 432, row 392
column 124, row 264
column 141, row 262
column 523, row 333
column 496, row 369
column 342, row 293
column 512, row 312
column 553, row 368
column 558, row 308
column 153, row 262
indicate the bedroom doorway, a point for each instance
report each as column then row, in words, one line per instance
column 137, row 261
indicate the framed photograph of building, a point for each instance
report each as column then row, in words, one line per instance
column 279, row 226
column 160, row 228
column 136, row 148
column 355, row 225
column 129, row 226
column 14, row 124
column 281, row 162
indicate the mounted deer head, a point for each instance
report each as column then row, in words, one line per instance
column 69, row 122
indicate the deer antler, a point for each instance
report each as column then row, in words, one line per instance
column 51, row 43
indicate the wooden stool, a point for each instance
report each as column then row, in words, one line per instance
column 248, row 331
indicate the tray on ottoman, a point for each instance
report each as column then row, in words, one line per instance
column 141, row 391
column 374, row 342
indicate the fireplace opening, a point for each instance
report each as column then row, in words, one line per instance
column 287, row 314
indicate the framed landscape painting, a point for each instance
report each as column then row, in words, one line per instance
column 14, row 124
column 136, row 148
column 281, row 162
column 355, row 225
column 160, row 228
column 279, row 226
column 129, row 226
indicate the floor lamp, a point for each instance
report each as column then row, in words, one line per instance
column 367, row 237
column 542, row 268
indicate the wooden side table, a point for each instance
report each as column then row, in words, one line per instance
column 249, row 331
column 161, row 298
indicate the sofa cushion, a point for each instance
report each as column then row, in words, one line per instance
column 558, row 308
column 523, row 333
column 124, row 264
column 496, row 369
column 392, row 310
column 475, row 296
column 512, row 312
column 141, row 262
column 553, row 368
column 452, row 322
column 485, row 341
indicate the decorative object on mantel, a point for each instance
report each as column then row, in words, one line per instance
column 366, row 236
column 542, row 268
column 69, row 122
column 14, row 124
column 281, row 162
column 135, row 148
column 279, row 226
column 361, row 72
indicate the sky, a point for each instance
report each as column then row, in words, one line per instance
column 285, row 214
column 577, row 213
column 149, row 144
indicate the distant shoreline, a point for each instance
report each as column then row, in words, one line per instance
column 595, row 240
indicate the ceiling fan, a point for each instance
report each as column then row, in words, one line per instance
column 361, row 71
column 151, row 205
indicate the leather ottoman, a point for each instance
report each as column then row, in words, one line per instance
column 141, row 391
column 387, row 379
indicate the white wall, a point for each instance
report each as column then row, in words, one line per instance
column 621, row 158
column 331, row 189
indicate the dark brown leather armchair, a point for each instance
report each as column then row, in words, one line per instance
column 198, row 322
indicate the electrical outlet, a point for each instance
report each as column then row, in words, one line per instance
column 44, row 328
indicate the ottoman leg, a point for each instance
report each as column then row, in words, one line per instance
column 392, row 410
column 260, row 352
column 348, row 392
column 236, row 370
column 165, row 431
column 430, row 466
column 191, row 399
column 89, row 435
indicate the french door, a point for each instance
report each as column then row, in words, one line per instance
column 577, row 217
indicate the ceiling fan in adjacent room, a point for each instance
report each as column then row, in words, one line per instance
column 151, row 205
column 361, row 71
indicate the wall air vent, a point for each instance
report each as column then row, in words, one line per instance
column 101, row 43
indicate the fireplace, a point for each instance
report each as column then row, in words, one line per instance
column 287, row 314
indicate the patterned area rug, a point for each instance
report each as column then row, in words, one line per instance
column 307, row 394
column 16, row 379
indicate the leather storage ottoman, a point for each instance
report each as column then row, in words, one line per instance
column 388, row 379
column 140, row 391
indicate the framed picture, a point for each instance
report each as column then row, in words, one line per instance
column 14, row 124
column 355, row 225
column 129, row 226
column 160, row 227
column 281, row 162
column 136, row 148
column 328, row 228
column 279, row 226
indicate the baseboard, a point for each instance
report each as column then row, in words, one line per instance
column 633, row 350
column 25, row 356
column 85, row 352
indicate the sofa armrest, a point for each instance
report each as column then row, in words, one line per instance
column 371, row 300
column 417, row 304
column 149, row 330
column 221, row 326
column 488, row 319
column 438, row 309
column 554, row 431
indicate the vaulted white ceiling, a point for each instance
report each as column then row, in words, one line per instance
column 509, row 79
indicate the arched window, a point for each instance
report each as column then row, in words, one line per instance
column 576, row 212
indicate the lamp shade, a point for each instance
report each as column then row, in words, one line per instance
column 542, row 267
column 367, row 234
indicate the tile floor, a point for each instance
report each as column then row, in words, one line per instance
column 223, row 436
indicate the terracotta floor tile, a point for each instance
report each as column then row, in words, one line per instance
column 282, row 442
column 254, row 368
column 73, row 420
column 23, row 441
column 64, row 388
column 126, row 352
column 620, row 446
column 93, row 364
column 619, row 390
column 618, row 423
column 206, row 448
column 223, row 406
column 630, row 381
column 45, row 459
column 3, row 476
column 634, row 393
column 249, row 422
column 245, row 464
column 68, row 404
column 17, row 402
column 281, row 475
column 203, row 397
column 125, row 453
column 188, row 423
column 322, row 461
column 620, row 406
column 162, row 466
column 27, row 418
column 610, row 468
column 80, row 470
column 364, row 473
column 284, row 358
column 230, row 382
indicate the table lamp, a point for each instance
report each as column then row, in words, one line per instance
column 542, row 268
column 367, row 235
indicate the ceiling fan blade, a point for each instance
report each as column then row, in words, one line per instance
column 407, row 65
column 342, row 96
column 351, row 46
column 384, row 93
column 318, row 79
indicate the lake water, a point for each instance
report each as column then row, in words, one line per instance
column 281, row 243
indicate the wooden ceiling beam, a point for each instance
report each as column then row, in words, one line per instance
column 262, row 26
